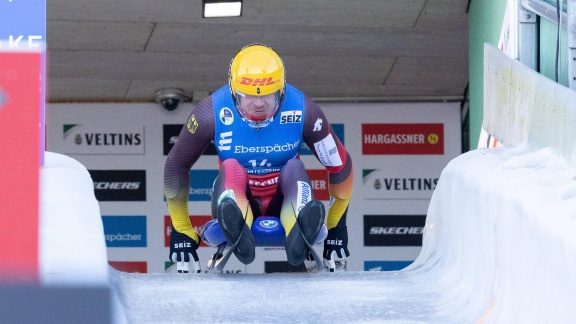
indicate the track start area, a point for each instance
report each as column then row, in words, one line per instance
column 392, row 297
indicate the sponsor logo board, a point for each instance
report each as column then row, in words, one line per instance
column 393, row 230
column 402, row 139
column 319, row 182
column 385, row 184
column 125, row 231
column 119, row 185
column 23, row 24
column 101, row 138
column 385, row 265
column 282, row 266
column 171, row 133
column 201, row 182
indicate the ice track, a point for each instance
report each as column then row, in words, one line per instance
column 499, row 247
column 394, row 297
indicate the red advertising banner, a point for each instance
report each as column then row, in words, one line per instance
column 319, row 181
column 402, row 139
column 130, row 266
column 197, row 222
column 20, row 99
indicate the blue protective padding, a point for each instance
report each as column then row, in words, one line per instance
column 267, row 231
column 322, row 235
column 211, row 233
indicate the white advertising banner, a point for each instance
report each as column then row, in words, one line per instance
column 96, row 138
column 393, row 183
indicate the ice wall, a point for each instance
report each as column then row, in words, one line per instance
column 72, row 248
column 499, row 231
column 522, row 106
column 72, row 245
column 499, row 241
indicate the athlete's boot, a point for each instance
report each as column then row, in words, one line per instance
column 236, row 231
column 306, row 228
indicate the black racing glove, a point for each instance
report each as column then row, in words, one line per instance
column 182, row 251
column 336, row 246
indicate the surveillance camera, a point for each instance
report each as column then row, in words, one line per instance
column 170, row 98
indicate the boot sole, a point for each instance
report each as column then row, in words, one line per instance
column 305, row 229
column 235, row 229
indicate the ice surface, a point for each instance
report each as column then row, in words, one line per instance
column 394, row 297
column 498, row 248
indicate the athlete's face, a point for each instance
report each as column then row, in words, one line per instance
column 258, row 107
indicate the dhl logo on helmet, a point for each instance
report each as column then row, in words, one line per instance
column 258, row 82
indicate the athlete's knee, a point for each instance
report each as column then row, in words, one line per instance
column 293, row 170
column 232, row 163
column 294, row 164
column 293, row 167
column 232, row 166
column 297, row 169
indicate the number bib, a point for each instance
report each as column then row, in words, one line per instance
column 264, row 150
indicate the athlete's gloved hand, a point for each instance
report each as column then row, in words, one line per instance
column 336, row 247
column 183, row 251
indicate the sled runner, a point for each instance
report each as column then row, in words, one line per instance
column 267, row 232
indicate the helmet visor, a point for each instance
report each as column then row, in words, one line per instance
column 257, row 108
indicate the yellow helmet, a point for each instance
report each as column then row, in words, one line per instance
column 257, row 70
